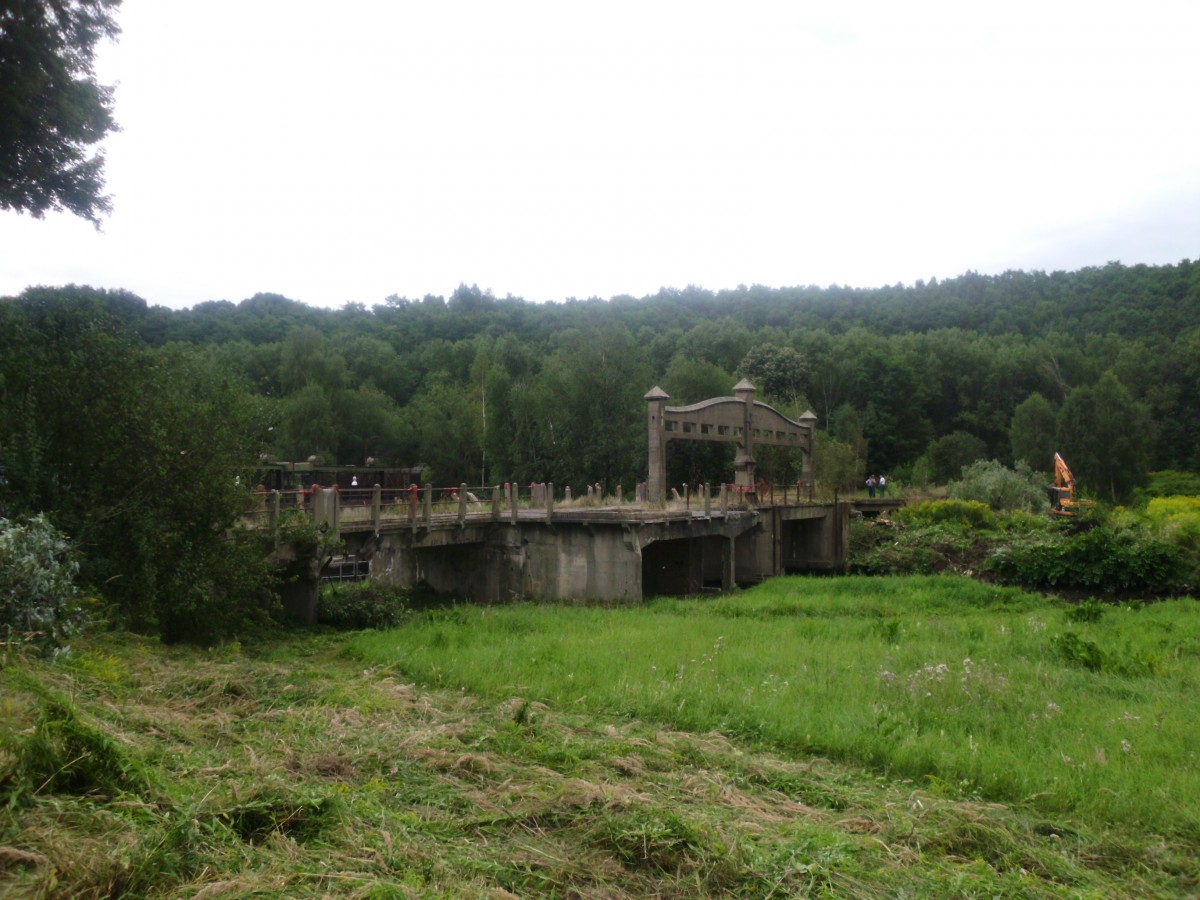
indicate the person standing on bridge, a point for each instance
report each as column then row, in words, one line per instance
column 871, row 482
column 882, row 485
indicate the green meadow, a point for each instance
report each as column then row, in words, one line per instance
column 1086, row 713
column 843, row 738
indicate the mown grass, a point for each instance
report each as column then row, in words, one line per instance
column 336, row 766
column 975, row 690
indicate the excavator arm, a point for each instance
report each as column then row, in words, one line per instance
column 1062, row 493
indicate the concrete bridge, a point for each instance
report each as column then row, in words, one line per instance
column 506, row 548
column 509, row 548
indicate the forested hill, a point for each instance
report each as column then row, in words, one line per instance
column 1131, row 301
column 1102, row 363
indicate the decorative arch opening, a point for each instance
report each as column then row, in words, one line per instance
column 739, row 419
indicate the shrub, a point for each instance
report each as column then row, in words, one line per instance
column 361, row 604
column 39, row 602
column 1177, row 518
column 1021, row 522
column 1103, row 558
column 1169, row 483
column 1130, row 662
column 1001, row 488
column 966, row 513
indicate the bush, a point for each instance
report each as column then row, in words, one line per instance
column 1169, row 483
column 1177, row 518
column 1104, row 558
column 361, row 604
column 39, row 602
column 1001, row 488
column 965, row 513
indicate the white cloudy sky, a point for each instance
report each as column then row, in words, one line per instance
column 337, row 152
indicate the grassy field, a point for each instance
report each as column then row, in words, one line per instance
column 811, row 737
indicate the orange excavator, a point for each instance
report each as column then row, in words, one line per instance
column 1062, row 493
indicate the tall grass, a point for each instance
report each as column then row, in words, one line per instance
column 975, row 690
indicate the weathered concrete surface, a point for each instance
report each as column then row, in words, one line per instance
column 619, row 558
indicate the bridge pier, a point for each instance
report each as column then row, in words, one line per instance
column 616, row 555
column 613, row 559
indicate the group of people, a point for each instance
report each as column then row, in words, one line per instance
column 876, row 484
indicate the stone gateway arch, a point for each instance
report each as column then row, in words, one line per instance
column 739, row 419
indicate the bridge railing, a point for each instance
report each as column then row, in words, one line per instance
column 423, row 506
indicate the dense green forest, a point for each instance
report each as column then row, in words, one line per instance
column 1102, row 364
column 136, row 427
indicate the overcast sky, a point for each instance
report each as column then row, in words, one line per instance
column 554, row 149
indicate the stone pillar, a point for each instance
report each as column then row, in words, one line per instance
column 327, row 511
column 656, row 491
column 810, row 419
column 743, row 462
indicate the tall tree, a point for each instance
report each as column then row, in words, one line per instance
column 143, row 457
column 948, row 455
column 1106, row 437
column 1033, row 433
column 780, row 373
column 601, row 378
column 52, row 109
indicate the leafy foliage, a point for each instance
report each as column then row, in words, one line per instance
column 1109, row 558
column 1107, row 435
column 1170, row 483
column 950, row 454
column 361, row 604
column 1001, row 488
column 52, row 110
column 1033, row 433
column 965, row 513
column 39, row 601
column 135, row 453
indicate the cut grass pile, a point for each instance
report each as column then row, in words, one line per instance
column 306, row 768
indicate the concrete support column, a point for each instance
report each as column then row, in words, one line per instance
column 729, row 566
column 376, row 506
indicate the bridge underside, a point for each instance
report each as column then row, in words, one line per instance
column 615, row 561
